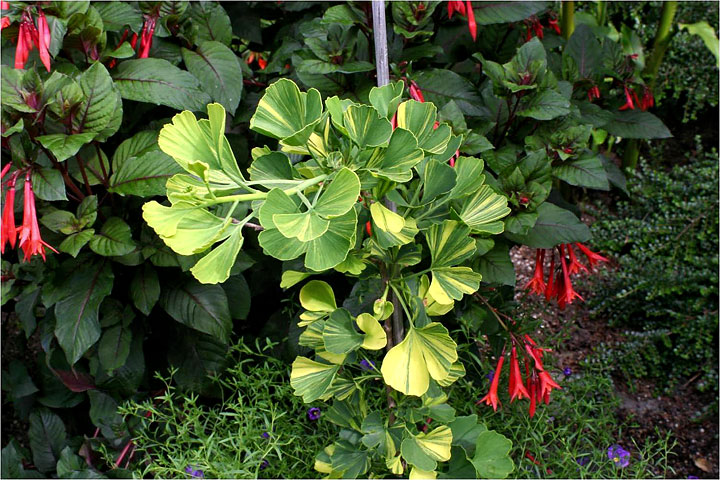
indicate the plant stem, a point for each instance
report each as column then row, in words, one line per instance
column 246, row 197
column 662, row 40
column 602, row 12
column 660, row 45
column 567, row 20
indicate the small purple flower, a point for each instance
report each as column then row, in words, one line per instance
column 265, row 435
column 367, row 365
column 567, row 372
column 490, row 375
column 313, row 413
column 194, row 473
column 692, row 476
column 619, row 456
column 583, row 460
column 264, row 465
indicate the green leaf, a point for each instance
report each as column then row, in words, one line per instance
column 310, row 379
column 450, row 283
column 468, row 171
column 506, row 12
column 584, row 48
column 482, row 212
column 637, row 124
column 145, row 288
column 332, row 247
column 386, row 99
column 441, row 86
column 47, row 439
column 101, row 103
column 65, row 146
column 212, row 22
column 587, row 171
column 198, row 357
column 449, row 243
column 707, row 34
column 491, row 458
column 438, row 178
column 273, row 166
column 396, row 162
column 114, row 347
column 185, row 228
column 201, row 307
column 465, row 431
column 544, row 105
column 317, row 296
column 117, row 15
column 157, row 81
column 385, row 219
column 419, row 119
column 189, row 141
column 219, row 72
column 424, row 450
column 339, row 334
column 215, row 266
column 496, row 266
column 72, row 244
column 135, row 146
column 144, row 176
column 77, row 326
column 340, row 196
column 286, row 113
column 48, row 184
column 365, row 126
column 425, row 352
column 304, row 226
column 375, row 336
column 114, row 239
column 554, row 226
column 239, row 296
column 12, row 463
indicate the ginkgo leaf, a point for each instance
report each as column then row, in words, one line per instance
column 311, row 379
column 425, row 352
column 365, row 126
column 317, row 296
column 304, row 226
column 375, row 336
column 449, row 243
column 339, row 334
column 483, row 211
column 215, row 266
column 340, row 196
column 450, row 283
column 385, row 219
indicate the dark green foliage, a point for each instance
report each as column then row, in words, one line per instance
column 666, row 244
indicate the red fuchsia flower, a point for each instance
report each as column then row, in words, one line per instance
column 393, row 122
column 30, row 240
column 146, row 37
column 492, row 396
column 546, row 385
column 553, row 24
column 262, row 63
column 630, row 95
column 5, row 21
column 567, row 294
column 43, row 39
column 593, row 92
column 537, row 284
column 575, row 266
column 368, row 228
column 133, row 40
column 455, row 156
column 8, row 230
column 550, row 288
column 648, row 100
column 472, row 26
column 593, row 258
column 464, row 9
column 416, row 93
column 517, row 389
column 456, row 6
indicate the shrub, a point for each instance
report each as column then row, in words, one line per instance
column 665, row 241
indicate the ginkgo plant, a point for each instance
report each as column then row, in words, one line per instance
column 365, row 190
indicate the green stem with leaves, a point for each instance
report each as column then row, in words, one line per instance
column 652, row 66
column 567, row 19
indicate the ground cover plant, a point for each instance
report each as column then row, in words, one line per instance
column 194, row 178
